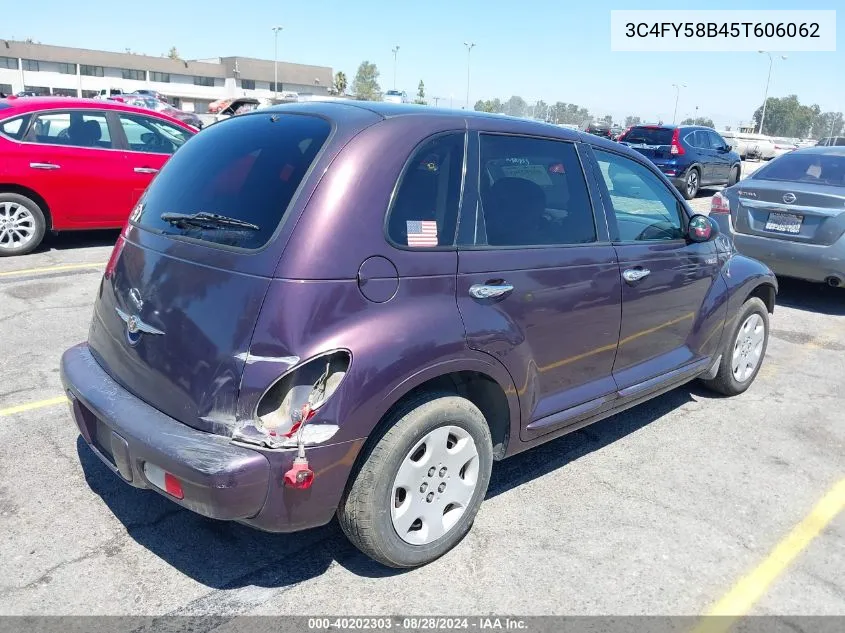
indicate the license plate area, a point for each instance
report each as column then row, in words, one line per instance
column 787, row 223
column 102, row 441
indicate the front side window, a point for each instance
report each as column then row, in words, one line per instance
column 716, row 141
column 77, row 128
column 145, row 134
column 645, row 208
column 247, row 169
column 533, row 193
column 424, row 209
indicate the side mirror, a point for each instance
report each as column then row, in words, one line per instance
column 702, row 228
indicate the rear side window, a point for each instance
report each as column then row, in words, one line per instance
column 14, row 128
column 424, row 211
column 533, row 193
column 649, row 136
column 245, row 169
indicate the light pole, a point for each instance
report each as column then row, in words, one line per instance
column 470, row 46
column 395, row 51
column 766, row 94
column 276, row 30
column 677, row 88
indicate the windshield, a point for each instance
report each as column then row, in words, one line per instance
column 828, row 169
column 247, row 168
column 649, row 136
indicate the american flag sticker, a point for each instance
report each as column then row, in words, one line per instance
column 422, row 232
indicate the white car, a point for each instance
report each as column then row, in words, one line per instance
column 784, row 146
column 396, row 96
column 109, row 93
column 748, row 144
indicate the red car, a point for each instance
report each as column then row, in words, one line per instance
column 76, row 164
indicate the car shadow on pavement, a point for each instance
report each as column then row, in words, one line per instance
column 69, row 240
column 813, row 297
column 225, row 555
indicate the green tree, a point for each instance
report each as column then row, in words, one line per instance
column 826, row 124
column 420, row 93
column 608, row 119
column 339, row 85
column 632, row 120
column 173, row 53
column 540, row 110
column 490, row 105
column 786, row 116
column 365, row 85
column 702, row 120
column 569, row 113
column 516, row 106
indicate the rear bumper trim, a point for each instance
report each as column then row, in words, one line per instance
column 220, row 480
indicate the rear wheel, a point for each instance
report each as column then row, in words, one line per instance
column 734, row 177
column 22, row 224
column 743, row 354
column 691, row 184
column 421, row 484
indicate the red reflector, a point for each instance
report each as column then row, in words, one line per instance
column 300, row 475
column 172, row 486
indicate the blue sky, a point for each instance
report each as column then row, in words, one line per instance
column 549, row 50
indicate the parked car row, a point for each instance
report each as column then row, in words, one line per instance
column 501, row 283
column 790, row 214
column 76, row 164
column 690, row 156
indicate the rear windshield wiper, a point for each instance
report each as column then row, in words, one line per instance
column 204, row 219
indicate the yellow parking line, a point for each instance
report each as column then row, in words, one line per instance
column 50, row 269
column 29, row 406
column 739, row 600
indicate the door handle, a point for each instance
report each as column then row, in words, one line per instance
column 489, row 291
column 633, row 275
column 146, row 170
column 43, row 166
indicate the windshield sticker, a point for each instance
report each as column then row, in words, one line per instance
column 535, row 173
column 422, row 232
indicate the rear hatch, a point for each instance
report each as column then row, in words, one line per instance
column 654, row 142
column 799, row 197
column 181, row 295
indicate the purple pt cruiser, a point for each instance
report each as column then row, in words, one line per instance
column 353, row 309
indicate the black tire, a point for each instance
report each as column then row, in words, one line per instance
column 692, row 183
column 364, row 511
column 40, row 225
column 725, row 382
column 734, row 176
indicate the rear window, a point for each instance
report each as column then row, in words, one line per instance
column 246, row 169
column 649, row 136
column 826, row 169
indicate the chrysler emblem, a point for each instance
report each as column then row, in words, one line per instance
column 789, row 198
column 135, row 326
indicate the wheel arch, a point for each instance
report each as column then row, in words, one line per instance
column 7, row 187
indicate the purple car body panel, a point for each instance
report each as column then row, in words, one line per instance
column 572, row 344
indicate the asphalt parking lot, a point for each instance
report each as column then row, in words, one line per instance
column 660, row 510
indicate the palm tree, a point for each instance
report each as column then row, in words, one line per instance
column 340, row 83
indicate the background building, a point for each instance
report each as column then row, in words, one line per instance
column 191, row 85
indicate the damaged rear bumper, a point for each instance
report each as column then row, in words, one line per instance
column 220, row 479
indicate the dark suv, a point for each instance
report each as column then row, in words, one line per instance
column 691, row 156
column 354, row 309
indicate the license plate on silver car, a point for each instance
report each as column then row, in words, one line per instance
column 784, row 222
